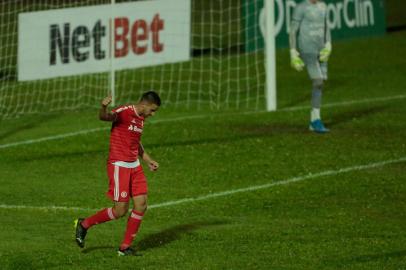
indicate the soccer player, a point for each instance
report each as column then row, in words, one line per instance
column 310, row 46
column 126, row 176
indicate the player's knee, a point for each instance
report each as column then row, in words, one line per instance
column 318, row 84
column 120, row 211
column 141, row 207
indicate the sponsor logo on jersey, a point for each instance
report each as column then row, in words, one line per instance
column 135, row 128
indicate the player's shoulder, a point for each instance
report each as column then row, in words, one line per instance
column 123, row 108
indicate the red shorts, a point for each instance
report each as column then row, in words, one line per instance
column 125, row 182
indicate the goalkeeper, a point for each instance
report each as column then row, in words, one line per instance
column 310, row 47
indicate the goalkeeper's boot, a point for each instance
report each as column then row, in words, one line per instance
column 318, row 126
column 80, row 232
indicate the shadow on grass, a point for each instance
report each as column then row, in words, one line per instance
column 55, row 156
column 27, row 125
column 164, row 237
column 172, row 234
column 263, row 130
column 91, row 249
column 355, row 114
column 241, row 133
column 299, row 101
column 375, row 257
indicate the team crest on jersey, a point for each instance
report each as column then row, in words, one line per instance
column 124, row 194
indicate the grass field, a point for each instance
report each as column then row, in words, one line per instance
column 243, row 190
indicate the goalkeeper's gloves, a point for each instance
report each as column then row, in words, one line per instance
column 325, row 52
column 295, row 61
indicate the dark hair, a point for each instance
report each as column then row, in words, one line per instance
column 151, row 97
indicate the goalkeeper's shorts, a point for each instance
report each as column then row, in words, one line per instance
column 315, row 68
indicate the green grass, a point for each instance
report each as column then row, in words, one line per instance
column 343, row 220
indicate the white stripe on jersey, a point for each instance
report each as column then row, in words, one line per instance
column 116, row 183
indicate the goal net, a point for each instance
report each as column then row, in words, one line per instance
column 69, row 65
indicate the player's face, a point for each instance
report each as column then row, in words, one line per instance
column 150, row 109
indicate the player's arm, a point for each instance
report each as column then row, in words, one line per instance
column 152, row 164
column 295, row 61
column 104, row 114
column 326, row 51
column 328, row 33
column 294, row 29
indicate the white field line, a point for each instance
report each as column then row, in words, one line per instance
column 346, row 103
column 297, row 108
column 55, row 137
column 224, row 193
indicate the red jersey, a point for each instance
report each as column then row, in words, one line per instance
column 125, row 134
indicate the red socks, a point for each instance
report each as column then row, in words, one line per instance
column 107, row 214
column 133, row 224
column 100, row 217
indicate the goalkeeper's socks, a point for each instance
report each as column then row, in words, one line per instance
column 314, row 114
column 104, row 215
column 133, row 224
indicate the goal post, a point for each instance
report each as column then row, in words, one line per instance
column 271, row 101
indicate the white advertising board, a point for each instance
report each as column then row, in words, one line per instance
column 73, row 41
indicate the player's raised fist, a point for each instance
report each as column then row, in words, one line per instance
column 106, row 101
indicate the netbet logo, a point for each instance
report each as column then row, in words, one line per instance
column 82, row 42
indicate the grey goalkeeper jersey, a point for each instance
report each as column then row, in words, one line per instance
column 310, row 26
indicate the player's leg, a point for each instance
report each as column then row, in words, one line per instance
column 317, row 73
column 133, row 223
column 118, row 210
column 324, row 70
column 139, row 192
column 119, row 179
column 317, row 91
column 107, row 214
column 317, row 88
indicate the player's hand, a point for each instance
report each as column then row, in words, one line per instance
column 106, row 101
column 153, row 165
column 325, row 52
column 295, row 61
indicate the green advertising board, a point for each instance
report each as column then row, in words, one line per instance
column 346, row 18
